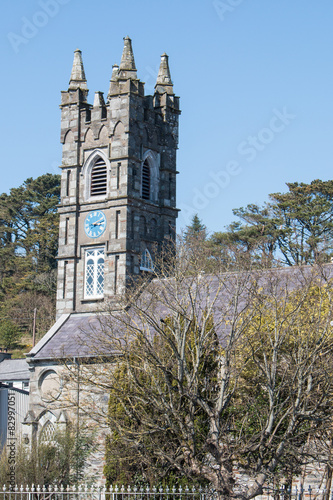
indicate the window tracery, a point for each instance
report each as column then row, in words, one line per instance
column 94, row 273
column 47, row 432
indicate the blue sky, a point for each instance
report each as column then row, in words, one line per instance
column 255, row 78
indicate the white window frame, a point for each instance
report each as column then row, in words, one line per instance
column 94, row 290
column 146, row 263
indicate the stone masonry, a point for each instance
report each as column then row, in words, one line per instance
column 126, row 130
column 135, row 138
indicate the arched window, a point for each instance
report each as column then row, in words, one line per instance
column 153, row 228
column 146, row 263
column 94, row 275
column 142, row 226
column 47, row 432
column 98, row 178
column 145, row 185
column 150, row 175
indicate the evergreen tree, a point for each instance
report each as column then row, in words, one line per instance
column 293, row 228
column 28, row 250
column 196, row 229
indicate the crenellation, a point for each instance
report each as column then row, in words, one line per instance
column 118, row 202
column 129, row 133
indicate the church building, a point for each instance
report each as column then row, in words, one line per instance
column 118, row 208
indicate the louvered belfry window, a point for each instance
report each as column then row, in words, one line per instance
column 145, row 181
column 98, row 178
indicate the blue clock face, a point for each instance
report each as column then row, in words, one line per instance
column 95, row 224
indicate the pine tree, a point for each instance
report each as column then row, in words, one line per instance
column 196, row 230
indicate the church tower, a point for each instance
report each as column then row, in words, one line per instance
column 118, row 183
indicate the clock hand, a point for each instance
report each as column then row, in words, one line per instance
column 98, row 222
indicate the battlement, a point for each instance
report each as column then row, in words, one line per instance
column 118, row 185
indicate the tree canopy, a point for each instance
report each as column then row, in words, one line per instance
column 218, row 373
column 196, row 229
column 28, row 250
column 293, row 228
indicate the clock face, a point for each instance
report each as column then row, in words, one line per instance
column 95, row 224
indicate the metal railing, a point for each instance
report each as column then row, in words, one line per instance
column 294, row 493
column 54, row 492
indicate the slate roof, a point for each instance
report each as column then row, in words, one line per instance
column 86, row 335
column 68, row 338
column 14, row 369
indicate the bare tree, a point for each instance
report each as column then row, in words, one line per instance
column 214, row 374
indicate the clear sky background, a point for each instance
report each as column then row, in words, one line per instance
column 255, row 79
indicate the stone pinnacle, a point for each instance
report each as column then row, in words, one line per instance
column 164, row 77
column 78, row 77
column 127, row 60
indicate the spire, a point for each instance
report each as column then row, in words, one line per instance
column 127, row 67
column 164, row 82
column 78, row 77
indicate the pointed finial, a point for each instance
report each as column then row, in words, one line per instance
column 164, row 77
column 127, row 67
column 115, row 71
column 78, row 77
column 164, row 82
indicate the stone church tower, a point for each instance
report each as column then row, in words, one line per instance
column 118, row 185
